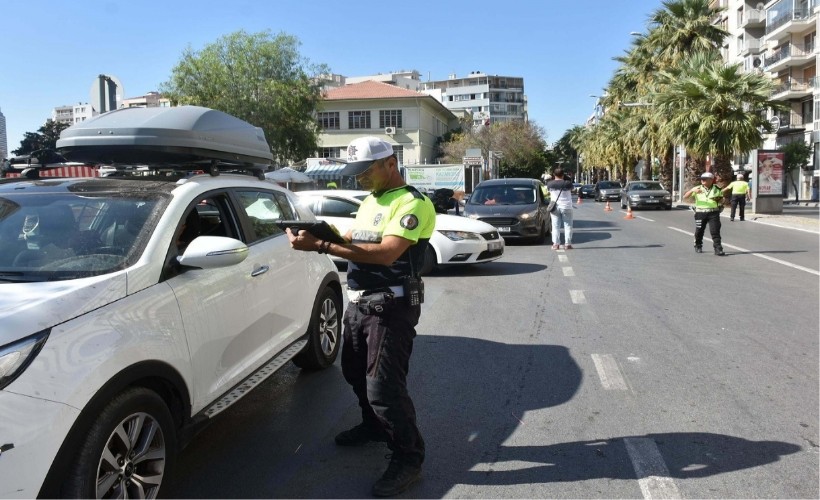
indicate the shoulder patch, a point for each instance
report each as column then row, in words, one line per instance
column 409, row 221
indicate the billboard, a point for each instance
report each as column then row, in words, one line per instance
column 770, row 172
column 435, row 177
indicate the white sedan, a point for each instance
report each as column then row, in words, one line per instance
column 456, row 240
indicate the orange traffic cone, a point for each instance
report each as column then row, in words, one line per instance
column 607, row 208
column 579, row 199
column 629, row 213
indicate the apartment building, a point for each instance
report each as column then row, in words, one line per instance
column 149, row 100
column 72, row 114
column 778, row 38
column 488, row 98
column 4, row 140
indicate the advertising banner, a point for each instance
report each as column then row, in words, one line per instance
column 770, row 173
column 436, row 177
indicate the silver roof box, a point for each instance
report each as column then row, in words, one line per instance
column 181, row 135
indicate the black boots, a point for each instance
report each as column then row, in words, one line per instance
column 698, row 249
column 719, row 251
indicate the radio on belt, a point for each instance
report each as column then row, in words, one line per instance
column 413, row 290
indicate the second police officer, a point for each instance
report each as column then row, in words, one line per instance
column 385, row 247
column 708, row 199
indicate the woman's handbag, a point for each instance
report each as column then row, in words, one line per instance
column 552, row 204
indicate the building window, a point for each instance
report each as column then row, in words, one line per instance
column 807, row 110
column 329, row 120
column 358, row 119
column 399, row 152
column 390, row 118
column 330, row 152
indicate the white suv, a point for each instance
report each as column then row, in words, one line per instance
column 134, row 309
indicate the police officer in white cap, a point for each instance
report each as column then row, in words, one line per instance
column 708, row 198
column 386, row 247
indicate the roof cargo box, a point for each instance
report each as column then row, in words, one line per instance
column 177, row 136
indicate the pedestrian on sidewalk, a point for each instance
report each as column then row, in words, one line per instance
column 561, row 192
column 708, row 198
column 385, row 248
column 740, row 195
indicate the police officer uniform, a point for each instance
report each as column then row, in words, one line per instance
column 380, row 319
column 707, row 211
column 740, row 194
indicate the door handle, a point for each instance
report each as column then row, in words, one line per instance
column 260, row 270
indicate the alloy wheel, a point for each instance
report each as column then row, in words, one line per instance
column 133, row 459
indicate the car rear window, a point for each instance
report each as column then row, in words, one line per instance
column 608, row 185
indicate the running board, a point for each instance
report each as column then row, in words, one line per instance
column 254, row 380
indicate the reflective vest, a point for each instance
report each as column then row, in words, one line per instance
column 739, row 187
column 705, row 199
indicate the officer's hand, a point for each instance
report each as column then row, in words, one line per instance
column 302, row 240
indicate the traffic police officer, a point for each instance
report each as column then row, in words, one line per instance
column 707, row 211
column 740, row 195
column 386, row 249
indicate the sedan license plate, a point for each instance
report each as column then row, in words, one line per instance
column 504, row 229
column 652, row 201
column 494, row 245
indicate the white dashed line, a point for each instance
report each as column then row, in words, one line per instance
column 563, row 258
column 608, row 372
column 577, row 296
column 568, row 271
column 739, row 249
column 653, row 476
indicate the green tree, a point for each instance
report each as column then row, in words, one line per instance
column 798, row 154
column 44, row 139
column 715, row 109
column 521, row 146
column 259, row 78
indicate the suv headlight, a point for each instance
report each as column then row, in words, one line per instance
column 634, row 197
column 459, row 235
column 528, row 215
column 15, row 357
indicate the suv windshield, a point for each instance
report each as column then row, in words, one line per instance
column 609, row 185
column 647, row 186
column 503, row 195
column 58, row 236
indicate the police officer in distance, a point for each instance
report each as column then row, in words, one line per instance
column 708, row 198
column 740, row 195
column 385, row 248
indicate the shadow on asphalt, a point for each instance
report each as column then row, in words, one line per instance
column 495, row 268
column 278, row 442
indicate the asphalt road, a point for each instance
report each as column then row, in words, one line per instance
column 629, row 367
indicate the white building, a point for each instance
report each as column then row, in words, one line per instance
column 71, row 114
column 489, row 98
column 149, row 100
column 778, row 38
column 4, row 140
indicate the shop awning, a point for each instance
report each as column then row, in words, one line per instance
column 323, row 169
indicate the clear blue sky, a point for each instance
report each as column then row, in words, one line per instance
column 52, row 50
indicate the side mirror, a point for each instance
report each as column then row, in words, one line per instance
column 210, row 252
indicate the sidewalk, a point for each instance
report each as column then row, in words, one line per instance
column 804, row 216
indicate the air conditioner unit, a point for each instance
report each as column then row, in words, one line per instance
column 389, row 130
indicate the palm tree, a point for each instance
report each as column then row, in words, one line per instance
column 682, row 27
column 715, row 109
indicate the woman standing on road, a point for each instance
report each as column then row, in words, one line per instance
column 561, row 191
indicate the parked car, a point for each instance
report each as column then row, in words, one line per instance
column 136, row 308
column 455, row 241
column 516, row 207
column 586, row 191
column 639, row 194
column 607, row 190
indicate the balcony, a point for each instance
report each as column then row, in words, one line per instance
column 753, row 18
column 751, row 46
column 789, row 55
column 790, row 21
column 792, row 88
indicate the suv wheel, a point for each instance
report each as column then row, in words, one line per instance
column 429, row 262
column 127, row 450
column 325, row 333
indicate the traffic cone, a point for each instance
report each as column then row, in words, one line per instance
column 629, row 213
column 607, row 208
column 579, row 199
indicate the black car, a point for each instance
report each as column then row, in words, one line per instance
column 587, row 191
column 516, row 207
column 639, row 194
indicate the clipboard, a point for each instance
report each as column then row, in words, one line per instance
column 318, row 228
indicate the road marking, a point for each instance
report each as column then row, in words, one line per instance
column 577, row 296
column 608, row 372
column 644, row 218
column 563, row 258
column 739, row 249
column 568, row 271
column 653, row 476
column 773, row 224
